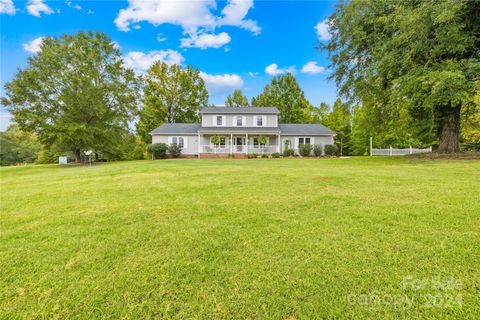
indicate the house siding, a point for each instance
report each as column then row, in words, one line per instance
column 208, row 120
column 192, row 142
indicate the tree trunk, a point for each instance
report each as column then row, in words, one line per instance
column 78, row 156
column 449, row 129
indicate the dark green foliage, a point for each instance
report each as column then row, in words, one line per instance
column 174, row 150
column 17, row 146
column 252, row 156
column 284, row 93
column 416, row 56
column 158, row 150
column 264, row 155
column 330, row 149
column 288, row 153
column 171, row 94
column 275, row 155
column 317, row 150
column 237, row 99
column 75, row 94
column 305, row 149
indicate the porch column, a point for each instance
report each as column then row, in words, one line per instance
column 278, row 143
column 231, row 143
column 199, row 148
column 246, row 143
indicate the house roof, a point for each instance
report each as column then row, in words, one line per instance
column 284, row 129
column 239, row 129
column 301, row 128
column 257, row 110
column 183, row 128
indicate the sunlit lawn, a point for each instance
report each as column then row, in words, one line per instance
column 263, row 238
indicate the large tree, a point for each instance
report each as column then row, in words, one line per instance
column 339, row 120
column 237, row 99
column 284, row 93
column 75, row 93
column 171, row 94
column 422, row 55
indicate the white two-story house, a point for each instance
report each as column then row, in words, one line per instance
column 238, row 131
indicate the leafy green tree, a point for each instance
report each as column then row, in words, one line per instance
column 237, row 99
column 339, row 120
column 422, row 53
column 284, row 93
column 471, row 123
column 75, row 93
column 171, row 94
column 319, row 114
column 17, row 146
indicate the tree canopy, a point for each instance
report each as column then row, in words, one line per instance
column 171, row 94
column 284, row 93
column 75, row 94
column 237, row 99
column 417, row 55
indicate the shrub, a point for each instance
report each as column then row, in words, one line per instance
column 305, row 149
column 330, row 149
column 158, row 150
column 288, row 153
column 174, row 150
column 264, row 155
column 251, row 156
column 215, row 140
column 275, row 155
column 262, row 140
column 317, row 150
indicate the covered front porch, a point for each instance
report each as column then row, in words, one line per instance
column 238, row 143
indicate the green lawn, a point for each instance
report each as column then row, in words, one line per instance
column 265, row 238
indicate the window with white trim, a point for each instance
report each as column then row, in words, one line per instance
column 179, row 141
column 304, row 140
column 259, row 121
column 219, row 120
column 239, row 121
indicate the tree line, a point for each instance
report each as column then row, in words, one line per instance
column 400, row 85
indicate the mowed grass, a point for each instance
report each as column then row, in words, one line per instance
column 242, row 239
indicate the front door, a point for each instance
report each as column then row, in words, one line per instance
column 239, row 142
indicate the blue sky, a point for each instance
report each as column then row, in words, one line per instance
column 236, row 44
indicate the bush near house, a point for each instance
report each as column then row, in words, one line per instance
column 174, row 150
column 275, row 155
column 252, row 156
column 288, row 153
column 305, row 149
column 158, row 150
column 330, row 149
column 317, row 150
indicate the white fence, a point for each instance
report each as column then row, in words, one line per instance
column 398, row 152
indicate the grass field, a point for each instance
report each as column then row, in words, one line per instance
column 266, row 238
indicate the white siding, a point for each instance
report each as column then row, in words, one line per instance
column 191, row 142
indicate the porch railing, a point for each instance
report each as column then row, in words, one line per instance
column 267, row 149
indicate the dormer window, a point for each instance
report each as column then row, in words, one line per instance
column 219, row 121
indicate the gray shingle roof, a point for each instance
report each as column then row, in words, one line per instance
column 177, row 128
column 239, row 129
column 258, row 110
column 301, row 128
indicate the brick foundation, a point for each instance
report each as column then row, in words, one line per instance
column 222, row 155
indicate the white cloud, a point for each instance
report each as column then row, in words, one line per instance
column 161, row 37
column 140, row 61
column 7, row 6
column 253, row 74
column 74, row 6
column 312, row 68
column 205, row 40
column 221, row 83
column 36, row 7
column 33, row 46
column 234, row 13
column 195, row 17
column 323, row 30
column 274, row 70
